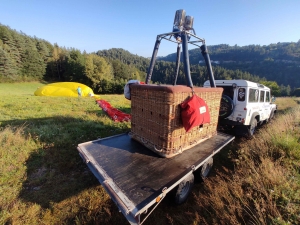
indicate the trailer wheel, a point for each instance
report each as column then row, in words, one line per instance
column 184, row 189
column 206, row 168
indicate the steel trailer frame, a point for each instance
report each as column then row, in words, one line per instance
column 96, row 153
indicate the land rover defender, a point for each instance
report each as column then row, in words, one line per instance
column 244, row 105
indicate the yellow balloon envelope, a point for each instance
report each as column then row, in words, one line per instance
column 68, row 89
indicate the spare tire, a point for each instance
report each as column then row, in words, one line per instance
column 226, row 107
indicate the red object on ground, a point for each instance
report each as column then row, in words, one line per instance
column 113, row 113
column 194, row 112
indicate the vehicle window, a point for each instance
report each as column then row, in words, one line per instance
column 241, row 94
column 268, row 96
column 262, row 96
column 253, row 95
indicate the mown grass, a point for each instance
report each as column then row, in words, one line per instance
column 44, row 181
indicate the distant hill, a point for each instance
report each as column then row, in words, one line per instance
column 126, row 57
column 25, row 58
column 278, row 62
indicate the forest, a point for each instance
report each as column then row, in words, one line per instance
column 275, row 62
column 26, row 58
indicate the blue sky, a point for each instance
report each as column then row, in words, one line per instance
column 133, row 25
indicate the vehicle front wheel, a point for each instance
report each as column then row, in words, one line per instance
column 184, row 189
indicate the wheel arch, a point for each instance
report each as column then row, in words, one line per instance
column 256, row 116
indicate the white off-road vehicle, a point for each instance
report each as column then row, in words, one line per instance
column 244, row 105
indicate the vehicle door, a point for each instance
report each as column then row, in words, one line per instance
column 261, row 105
column 267, row 105
column 240, row 102
column 253, row 103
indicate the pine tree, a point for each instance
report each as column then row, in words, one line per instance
column 9, row 46
column 7, row 71
column 75, row 66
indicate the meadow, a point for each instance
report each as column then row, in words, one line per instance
column 43, row 180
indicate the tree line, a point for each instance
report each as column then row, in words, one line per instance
column 25, row 58
column 276, row 62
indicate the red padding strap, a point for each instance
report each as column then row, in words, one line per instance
column 194, row 112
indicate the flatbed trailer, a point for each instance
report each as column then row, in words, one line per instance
column 136, row 178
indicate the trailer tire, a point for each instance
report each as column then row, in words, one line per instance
column 206, row 168
column 184, row 189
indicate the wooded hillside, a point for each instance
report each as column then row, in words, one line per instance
column 277, row 62
column 25, row 58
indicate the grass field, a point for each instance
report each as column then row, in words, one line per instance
column 44, row 181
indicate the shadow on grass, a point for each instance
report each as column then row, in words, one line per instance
column 55, row 171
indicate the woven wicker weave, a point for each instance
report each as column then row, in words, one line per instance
column 156, row 121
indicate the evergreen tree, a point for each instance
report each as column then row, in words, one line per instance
column 75, row 67
column 12, row 54
column 33, row 65
column 42, row 49
column 7, row 71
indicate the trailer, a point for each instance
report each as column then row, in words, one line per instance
column 137, row 179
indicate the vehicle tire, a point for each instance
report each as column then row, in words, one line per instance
column 262, row 122
column 226, row 107
column 272, row 115
column 252, row 127
column 184, row 189
column 206, row 168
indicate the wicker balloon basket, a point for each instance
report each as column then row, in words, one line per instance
column 156, row 120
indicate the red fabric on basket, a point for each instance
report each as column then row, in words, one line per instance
column 113, row 113
column 194, row 112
